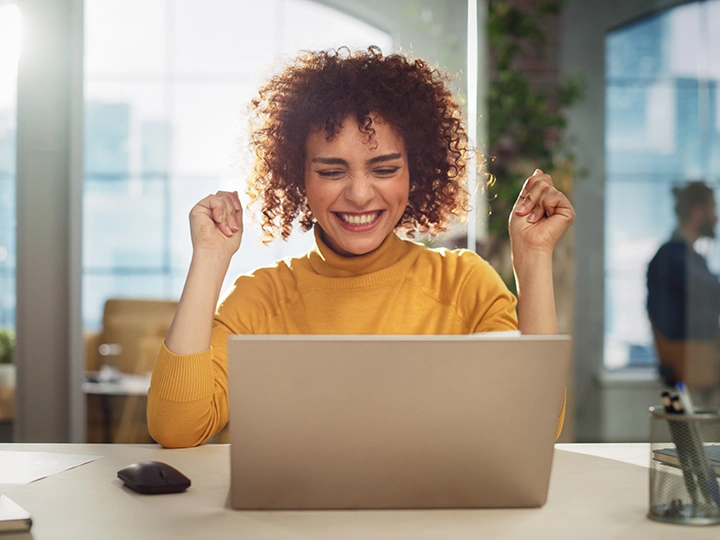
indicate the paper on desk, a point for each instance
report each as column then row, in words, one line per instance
column 25, row 467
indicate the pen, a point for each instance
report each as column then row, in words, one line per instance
column 685, row 399
column 679, row 435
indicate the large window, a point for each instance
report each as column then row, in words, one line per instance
column 9, row 51
column 165, row 95
column 662, row 129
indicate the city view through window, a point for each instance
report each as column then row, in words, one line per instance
column 165, row 97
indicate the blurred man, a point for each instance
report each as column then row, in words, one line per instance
column 683, row 295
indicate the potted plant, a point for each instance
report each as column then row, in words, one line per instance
column 526, row 121
column 7, row 356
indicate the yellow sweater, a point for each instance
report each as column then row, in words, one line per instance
column 400, row 288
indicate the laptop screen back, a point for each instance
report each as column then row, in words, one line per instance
column 394, row 421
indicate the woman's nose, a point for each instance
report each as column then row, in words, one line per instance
column 359, row 191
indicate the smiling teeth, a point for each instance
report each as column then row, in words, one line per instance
column 363, row 219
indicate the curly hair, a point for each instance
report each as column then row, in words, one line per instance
column 321, row 89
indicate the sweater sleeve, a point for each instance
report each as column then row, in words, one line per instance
column 484, row 300
column 188, row 396
column 186, row 404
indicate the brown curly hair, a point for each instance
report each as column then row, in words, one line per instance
column 319, row 90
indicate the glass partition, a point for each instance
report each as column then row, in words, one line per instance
column 662, row 130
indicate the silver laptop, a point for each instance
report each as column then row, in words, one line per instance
column 330, row 422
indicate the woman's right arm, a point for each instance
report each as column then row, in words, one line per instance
column 216, row 230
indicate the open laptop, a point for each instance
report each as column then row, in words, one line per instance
column 330, row 422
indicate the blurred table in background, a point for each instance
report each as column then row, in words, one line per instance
column 116, row 404
column 116, row 409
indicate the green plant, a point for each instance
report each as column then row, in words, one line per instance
column 7, row 346
column 525, row 122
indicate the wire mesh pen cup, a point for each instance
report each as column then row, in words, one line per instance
column 684, row 466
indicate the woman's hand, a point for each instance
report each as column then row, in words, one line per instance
column 540, row 217
column 216, row 224
column 538, row 220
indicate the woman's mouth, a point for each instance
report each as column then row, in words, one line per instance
column 358, row 221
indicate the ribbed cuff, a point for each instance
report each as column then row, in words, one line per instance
column 183, row 378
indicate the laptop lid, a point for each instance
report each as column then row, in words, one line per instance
column 329, row 422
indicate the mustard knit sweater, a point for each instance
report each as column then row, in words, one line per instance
column 400, row 288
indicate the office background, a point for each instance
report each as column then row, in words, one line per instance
column 123, row 114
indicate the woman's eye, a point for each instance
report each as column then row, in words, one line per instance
column 330, row 174
column 386, row 171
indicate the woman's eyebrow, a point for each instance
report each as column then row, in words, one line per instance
column 340, row 161
column 330, row 161
column 386, row 157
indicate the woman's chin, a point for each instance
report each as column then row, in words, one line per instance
column 354, row 247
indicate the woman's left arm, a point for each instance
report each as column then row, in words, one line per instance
column 540, row 217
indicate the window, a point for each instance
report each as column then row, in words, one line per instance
column 9, row 51
column 165, row 95
column 662, row 129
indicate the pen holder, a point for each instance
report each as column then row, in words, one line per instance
column 684, row 467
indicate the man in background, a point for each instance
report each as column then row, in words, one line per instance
column 683, row 295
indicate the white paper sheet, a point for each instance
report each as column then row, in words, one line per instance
column 25, row 467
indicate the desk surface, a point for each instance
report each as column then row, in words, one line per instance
column 597, row 491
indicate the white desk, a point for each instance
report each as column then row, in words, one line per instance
column 596, row 492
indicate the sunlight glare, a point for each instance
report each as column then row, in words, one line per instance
column 9, row 52
column 9, row 41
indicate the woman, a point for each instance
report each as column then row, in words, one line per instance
column 357, row 147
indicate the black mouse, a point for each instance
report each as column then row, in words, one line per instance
column 153, row 477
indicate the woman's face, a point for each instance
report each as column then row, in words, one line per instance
column 357, row 189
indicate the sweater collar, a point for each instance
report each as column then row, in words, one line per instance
column 326, row 262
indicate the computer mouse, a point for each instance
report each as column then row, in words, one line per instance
column 153, row 477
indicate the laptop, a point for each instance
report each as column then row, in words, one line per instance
column 390, row 422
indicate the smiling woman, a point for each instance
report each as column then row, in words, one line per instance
column 358, row 147
column 389, row 100
column 356, row 189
